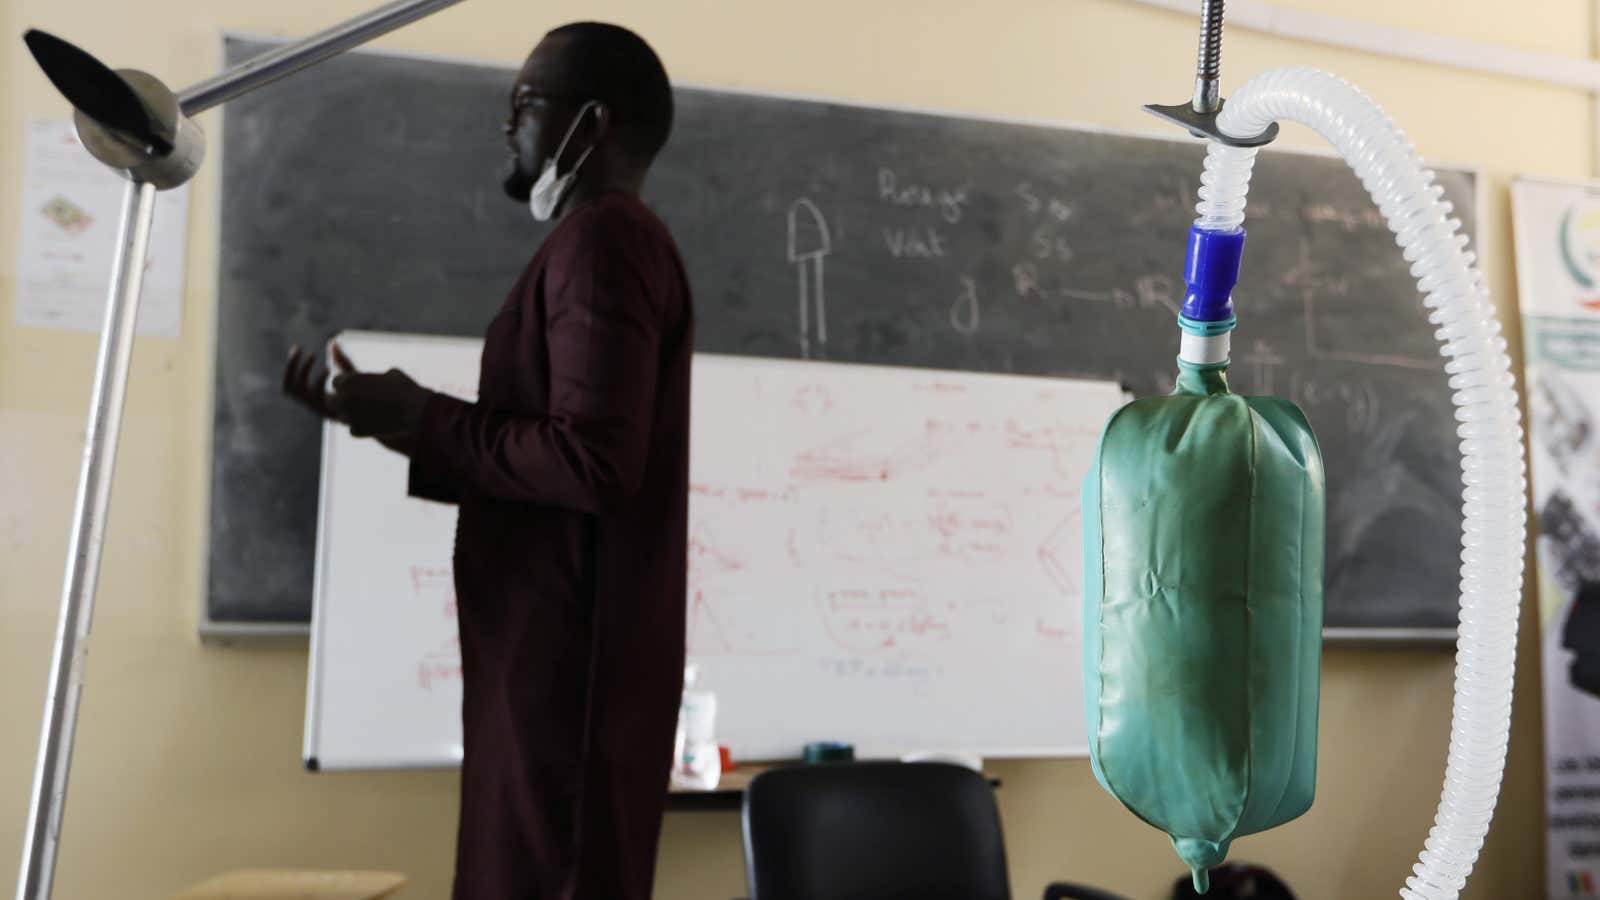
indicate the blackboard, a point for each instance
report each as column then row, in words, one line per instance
column 366, row 195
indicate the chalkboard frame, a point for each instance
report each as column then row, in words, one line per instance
column 223, row 631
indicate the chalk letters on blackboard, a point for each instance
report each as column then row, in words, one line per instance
column 914, row 243
column 893, row 191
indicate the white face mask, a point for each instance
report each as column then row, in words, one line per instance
column 545, row 197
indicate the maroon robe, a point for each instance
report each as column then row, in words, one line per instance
column 571, row 471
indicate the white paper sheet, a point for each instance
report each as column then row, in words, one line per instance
column 71, row 209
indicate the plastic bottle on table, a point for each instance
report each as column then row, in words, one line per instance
column 697, row 763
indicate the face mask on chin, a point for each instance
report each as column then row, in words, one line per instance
column 547, row 192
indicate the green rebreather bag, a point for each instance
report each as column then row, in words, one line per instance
column 1203, row 543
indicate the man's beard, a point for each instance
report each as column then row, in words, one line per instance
column 516, row 183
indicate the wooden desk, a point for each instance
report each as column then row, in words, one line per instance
column 728, row 795
column 279, row 884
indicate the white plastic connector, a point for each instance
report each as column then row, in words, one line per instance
column 1204, row 350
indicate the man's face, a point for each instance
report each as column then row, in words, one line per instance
column 544, row 102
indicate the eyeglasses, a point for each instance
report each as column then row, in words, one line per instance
column 522, row 101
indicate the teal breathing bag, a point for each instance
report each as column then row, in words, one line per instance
column 1203, row 542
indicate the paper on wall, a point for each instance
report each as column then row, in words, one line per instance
column 71, row 209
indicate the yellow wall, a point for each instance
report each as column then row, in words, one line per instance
column 188, row 757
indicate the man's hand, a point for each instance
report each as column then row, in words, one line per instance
column 387, row 407
column 303, row 379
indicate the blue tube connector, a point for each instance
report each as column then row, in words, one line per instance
column 1212, row 269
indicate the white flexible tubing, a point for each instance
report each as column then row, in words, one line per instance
column 1485, row 407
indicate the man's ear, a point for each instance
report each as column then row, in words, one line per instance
column 599, row 124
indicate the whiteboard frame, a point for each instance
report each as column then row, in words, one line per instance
column 315, row 670
column 227, row 632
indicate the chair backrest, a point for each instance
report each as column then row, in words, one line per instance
column 869, row 831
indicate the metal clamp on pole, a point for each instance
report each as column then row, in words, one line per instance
column 1199, row 115
column 135, row 124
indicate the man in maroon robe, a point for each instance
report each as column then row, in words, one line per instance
column 571, row 471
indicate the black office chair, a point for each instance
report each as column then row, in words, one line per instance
column 876, row 831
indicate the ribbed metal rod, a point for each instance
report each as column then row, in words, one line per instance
column 1208, row 67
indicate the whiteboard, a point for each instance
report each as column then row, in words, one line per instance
column 885, row 556
column 889, row 557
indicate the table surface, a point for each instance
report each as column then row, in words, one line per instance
column 727, row 795
column 729, row 792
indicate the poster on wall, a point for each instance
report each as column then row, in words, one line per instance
column 1557, row 228
column 71, row 213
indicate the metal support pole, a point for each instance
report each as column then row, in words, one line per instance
column 291, row 58
column 35, row 880
column 83, row 557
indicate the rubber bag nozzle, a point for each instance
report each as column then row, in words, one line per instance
column 1203, row 529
